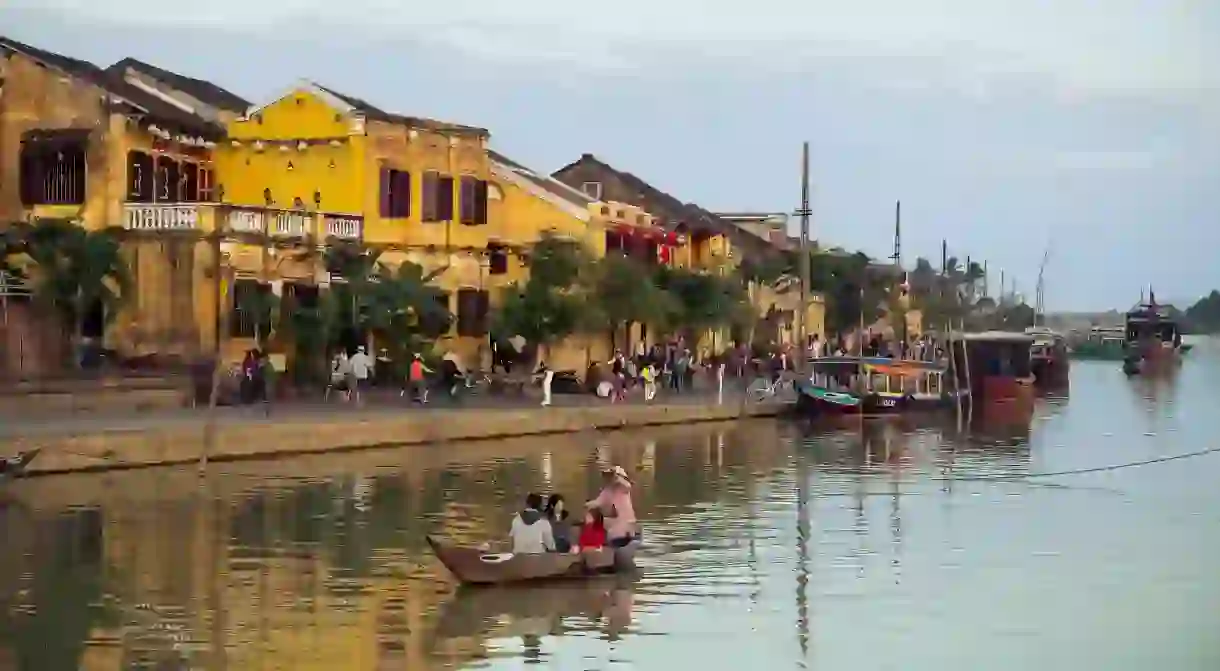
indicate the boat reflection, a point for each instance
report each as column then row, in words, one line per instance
column 602, row 604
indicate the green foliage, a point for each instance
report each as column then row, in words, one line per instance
column 75, row 268
column 1204, row 315
column 853, row 292
column 551, row 305
column 625, row 294
column 701, row 301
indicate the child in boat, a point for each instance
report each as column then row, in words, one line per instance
column 593, row 533
column 557, row 515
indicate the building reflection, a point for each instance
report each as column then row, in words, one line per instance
column 321, row 563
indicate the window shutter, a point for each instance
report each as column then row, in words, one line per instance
column 469, row 195
column 444, row 203
column 480, row 203
column 429, row 197
column 384, row 193
column 402, row 194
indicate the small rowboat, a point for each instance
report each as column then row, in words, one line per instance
column 473, row 566
column 14, row 467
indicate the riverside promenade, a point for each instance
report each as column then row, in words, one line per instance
column 108, row 441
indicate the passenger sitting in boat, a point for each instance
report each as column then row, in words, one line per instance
column 593, row 533
column 557, row 515
column 531, row 532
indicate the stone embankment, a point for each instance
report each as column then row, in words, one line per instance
column 95, row 444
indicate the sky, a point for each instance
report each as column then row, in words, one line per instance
column 1007, row 128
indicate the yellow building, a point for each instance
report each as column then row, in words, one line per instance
column 107, row 148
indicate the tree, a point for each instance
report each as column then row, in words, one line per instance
column 701, row 301
column 1204, row 315
column 853, row 293
column 551, row 304
column 75, row 271
column 624, row 294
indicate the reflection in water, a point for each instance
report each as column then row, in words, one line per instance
column 871, row 545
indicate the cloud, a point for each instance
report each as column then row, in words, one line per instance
column 1081, row 46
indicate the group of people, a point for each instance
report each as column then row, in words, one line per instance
column 609, row 520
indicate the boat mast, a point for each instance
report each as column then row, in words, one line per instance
column 803, row 265
column 1040, row 288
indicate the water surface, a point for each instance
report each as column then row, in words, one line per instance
column 874, row 546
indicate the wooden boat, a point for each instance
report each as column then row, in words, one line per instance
column 1049, row 360
column 15, row 466
column 995, row 365
column 1153, row 339
column 475, row 566
column 851, row 385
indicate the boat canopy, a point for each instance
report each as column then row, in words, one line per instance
column 1012, row 337
column 877, row 364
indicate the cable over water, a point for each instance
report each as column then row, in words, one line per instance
column 1095, row 469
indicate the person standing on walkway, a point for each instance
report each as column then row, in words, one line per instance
column 362, row 370
column 416, row 381
column 649, row 373
column 547, row 376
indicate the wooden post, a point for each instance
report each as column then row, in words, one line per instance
column 221, row 324
column 969, row 382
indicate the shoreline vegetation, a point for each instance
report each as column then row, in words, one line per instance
column 76, row 274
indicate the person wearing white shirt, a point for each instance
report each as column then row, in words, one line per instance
column 531, row 532
column 362, row 368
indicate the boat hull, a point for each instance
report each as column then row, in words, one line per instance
column 815, row 400
column 1051, row 372
column 473, row 566
column 16, row 466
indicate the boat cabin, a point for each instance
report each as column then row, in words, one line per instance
column 1150, row 322
column 994, row 363
column 879, row 375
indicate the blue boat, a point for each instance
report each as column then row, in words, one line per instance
column 851, row 385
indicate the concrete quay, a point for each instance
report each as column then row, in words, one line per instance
column 99, row 443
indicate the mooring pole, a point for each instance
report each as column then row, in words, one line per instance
column 803, row 261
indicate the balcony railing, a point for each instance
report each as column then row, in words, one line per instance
column 171, row 217
column 147, row 217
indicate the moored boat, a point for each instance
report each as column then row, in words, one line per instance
column 1101, row 343
column 853, row 385
column 475, row 566
column 1153, row 339
column 995, row 365
column 1049, row 360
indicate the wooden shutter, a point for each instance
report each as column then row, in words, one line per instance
column 444, row 196
column 429, row 197
column 480, row 203
column 401, row 205
column 383, row 193
column 469, row 195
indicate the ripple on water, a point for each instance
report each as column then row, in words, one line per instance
column 882, row 545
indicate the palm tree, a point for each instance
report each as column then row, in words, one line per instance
column 74, row 270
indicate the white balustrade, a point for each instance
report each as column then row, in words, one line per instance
column 292, row 224
column 347, row 228
column 246, row 221
column 140, row 217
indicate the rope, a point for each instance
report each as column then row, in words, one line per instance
column 1096, row 469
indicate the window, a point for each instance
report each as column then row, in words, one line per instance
column 251, row 314
column 437, row 197
column 165, row 180
column 472, row 309
column 440, row 326
column 139, row 177
column 474, row 201
column 205, row 185
column 395, row 193
column 497, row 259
column 52, row 172
column 592, row 190
column 190, row 183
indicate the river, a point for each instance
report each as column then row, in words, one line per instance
column 875, row 546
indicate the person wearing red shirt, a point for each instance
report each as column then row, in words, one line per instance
column 592, row 533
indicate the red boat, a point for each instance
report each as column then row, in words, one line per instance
column 995, row 365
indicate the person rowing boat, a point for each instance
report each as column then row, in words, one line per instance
column 614, row 501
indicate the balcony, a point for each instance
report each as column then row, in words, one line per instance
column 286, row 224
column 294, row 223
column 175, row 217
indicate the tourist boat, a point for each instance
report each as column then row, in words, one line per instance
column 995, row 365
column 1049, row 361
column 854, row 385
column 476, row 566
column 15, row 466
column 1102, row 343
column 1153, row 338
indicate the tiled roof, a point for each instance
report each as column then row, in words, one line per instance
column 550, row 184
column 375, row 113
column 201, row 90
column 133, row 100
